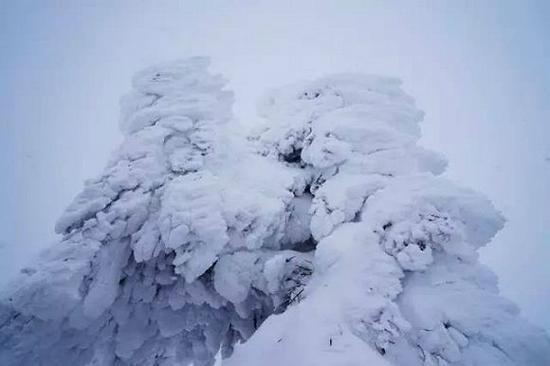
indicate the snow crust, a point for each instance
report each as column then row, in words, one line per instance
column 324, row 238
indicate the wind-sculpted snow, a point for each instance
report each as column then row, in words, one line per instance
column 173, row 252
column 396, row 274
column 325, row 239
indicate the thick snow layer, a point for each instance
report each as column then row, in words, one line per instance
column 396, row 278
column 169, row 254
column 325, row 238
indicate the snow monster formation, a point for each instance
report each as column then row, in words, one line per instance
column 326, row 238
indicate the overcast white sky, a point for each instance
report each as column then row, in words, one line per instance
column 480, row 70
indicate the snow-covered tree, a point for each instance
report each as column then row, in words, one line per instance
column 326, row 238
column 396, row 275
column 173, row 252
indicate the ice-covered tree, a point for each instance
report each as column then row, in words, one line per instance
column 326, row 238
column 396, row 275
column 180, row 247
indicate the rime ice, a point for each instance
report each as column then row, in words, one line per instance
column 327, row 238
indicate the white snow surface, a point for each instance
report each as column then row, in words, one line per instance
column 325, row 237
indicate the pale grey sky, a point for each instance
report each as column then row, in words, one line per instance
column 480, row 70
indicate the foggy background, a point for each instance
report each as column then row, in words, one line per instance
column 479, row 69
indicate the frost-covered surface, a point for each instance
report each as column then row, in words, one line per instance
column 396, row 275
column 173, row 251
column 324, row 239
